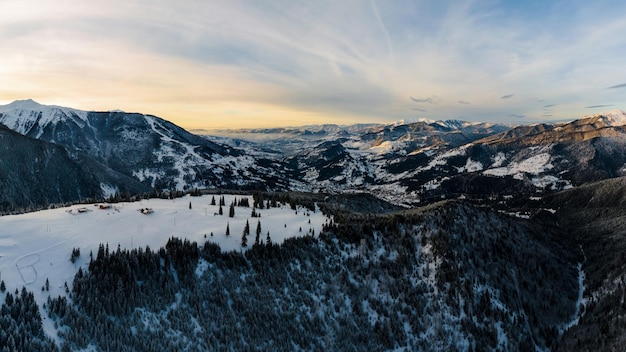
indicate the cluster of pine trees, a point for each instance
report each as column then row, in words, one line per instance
column 21, row 325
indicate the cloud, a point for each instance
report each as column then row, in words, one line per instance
column 597, row 106
column 549, row 105
column 431, row 100
column 517, row 116
column 244, row 61
column 420, row 110
column 622, row 85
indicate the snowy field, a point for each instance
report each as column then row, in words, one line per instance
column 37, row 246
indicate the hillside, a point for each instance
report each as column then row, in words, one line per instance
column 449, row 276
column 593, row 215
column 34, row 174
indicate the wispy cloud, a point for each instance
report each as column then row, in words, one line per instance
column 430, row 100
column 622, row 85
column 419, row 109
column 517, row 116
column 549, row 105
column 280, row 62
column 597, row 106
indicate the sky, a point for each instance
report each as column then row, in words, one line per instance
column 246, row 63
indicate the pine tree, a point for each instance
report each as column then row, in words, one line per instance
column 228, row 229
column 189, row 204
column 231, row 211
column 268, row 240
column 246, row 229
column 2, row 286
column 244, row 237
column 257, row 239
column 221, row 212
column 212, row 200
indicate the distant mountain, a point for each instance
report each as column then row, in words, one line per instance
column 156, row 152
column 415, row 162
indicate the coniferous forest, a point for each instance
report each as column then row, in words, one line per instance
column 448, row 277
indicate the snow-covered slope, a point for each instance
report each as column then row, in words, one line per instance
column 36, row 247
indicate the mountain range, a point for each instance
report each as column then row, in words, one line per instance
column 403, row 163
column 437, row 235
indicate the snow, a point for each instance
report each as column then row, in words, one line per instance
column 37, row 246
column 552, row 181
column 108, row 190
column 24, row 115
column 498, row 160
column 471, row 166
column 613, row 117
column 442, row 159
column 533, row 165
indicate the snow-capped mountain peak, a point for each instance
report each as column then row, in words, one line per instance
column 611, row 118
column 26, row 104
column 28, row 117
column 615, row 117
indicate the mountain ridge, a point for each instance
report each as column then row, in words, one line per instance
column 405, row 164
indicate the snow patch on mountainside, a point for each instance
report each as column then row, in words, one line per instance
column 471, row 166
column 108, row 190
column 498, row 160
column 443, row 158
column 533, row 165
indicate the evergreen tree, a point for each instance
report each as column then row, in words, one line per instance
column 212, row 200
column 268, row 240
column 2, row 286
column 244, row 237
column 75, row 254
column 257, row 239
column 228, row 229
column 221, row 212
column 189, row 204
column 246, row 229
column 231, row 211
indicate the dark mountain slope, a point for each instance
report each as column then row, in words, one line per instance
column 594, row 216
column 34, row 173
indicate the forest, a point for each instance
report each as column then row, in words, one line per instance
column 450, row 276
